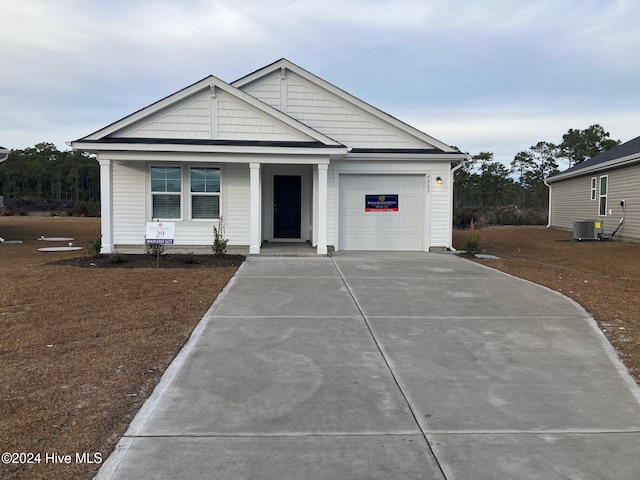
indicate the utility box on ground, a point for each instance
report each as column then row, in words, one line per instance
column 587, row 230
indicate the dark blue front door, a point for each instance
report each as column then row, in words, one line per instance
column 287, row 206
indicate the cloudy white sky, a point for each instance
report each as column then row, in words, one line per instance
column 484, row 75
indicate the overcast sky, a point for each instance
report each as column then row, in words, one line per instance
column 488, row 75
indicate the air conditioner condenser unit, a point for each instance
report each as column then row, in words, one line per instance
column 587, row 230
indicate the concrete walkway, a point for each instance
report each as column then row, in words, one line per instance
column 387, row 366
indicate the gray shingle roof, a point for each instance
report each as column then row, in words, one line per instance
column 623, row 150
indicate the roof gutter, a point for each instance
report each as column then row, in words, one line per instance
column 548, row 216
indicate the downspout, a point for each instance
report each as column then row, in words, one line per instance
column 549, row 216
column 453, row 171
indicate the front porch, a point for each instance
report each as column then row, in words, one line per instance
column 288, row 206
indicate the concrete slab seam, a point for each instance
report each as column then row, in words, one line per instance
column 175, row 366
column 289, row 276
column 475, row 317
column 573, row 431
column 604, row 341
column 111, row 464
column 386, row 361
column 277, row 317
column 404, row 433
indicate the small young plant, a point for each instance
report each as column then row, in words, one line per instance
column 95, row 245
column 473, row 243
column 473, row 240
column 155, row 249
column 219, row 241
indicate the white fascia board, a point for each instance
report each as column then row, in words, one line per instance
column 207, row 149
column 615, row 163
column 310, row 77
column 416, row 157
column 220, row 158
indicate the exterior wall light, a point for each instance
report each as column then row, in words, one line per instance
column 438, row 180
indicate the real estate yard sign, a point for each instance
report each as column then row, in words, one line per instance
column 381, row 203
column 162, row 233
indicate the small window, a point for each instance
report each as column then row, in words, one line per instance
column 205, row 193
column 166, row 189
column 594, row 184
column 604, row 181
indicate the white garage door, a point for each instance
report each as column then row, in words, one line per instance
column 385, row 225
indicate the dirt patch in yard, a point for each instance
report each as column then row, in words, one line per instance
column 82, row 348
column 603, row 277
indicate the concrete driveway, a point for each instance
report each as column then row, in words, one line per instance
column 387, row 366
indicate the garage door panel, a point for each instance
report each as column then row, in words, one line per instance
column 401, row 230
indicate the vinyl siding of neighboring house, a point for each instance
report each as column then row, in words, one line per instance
column 571, row 200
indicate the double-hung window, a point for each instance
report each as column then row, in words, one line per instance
column 604, row 186
column 205, row 192
column 166, row 192
column 594, row 185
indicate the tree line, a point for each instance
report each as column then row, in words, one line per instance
column 487, row 191
column 44, row 178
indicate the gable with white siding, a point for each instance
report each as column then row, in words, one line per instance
column 332, row 111
column 211, row 114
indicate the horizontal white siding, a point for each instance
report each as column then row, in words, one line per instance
column 339, row 120
column 571, row 200
column 238, row 121
column 190, row 118
column 440, row 221
column 129, row 203
column 131, row 207
column 237, row 203
column 268, row 92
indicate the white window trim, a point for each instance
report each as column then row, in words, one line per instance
column 601, row 196
column 185, row 193
column 181, row 194
column 594, row 187
column 191, row 194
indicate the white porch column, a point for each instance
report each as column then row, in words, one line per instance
column 255, row 205
column 322, row 209
column 106, row 207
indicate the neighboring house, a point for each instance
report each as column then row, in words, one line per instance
column 595, row 188
column 4, row 154
column 282, row 156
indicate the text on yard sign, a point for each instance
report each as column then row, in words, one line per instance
column 160, row 232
